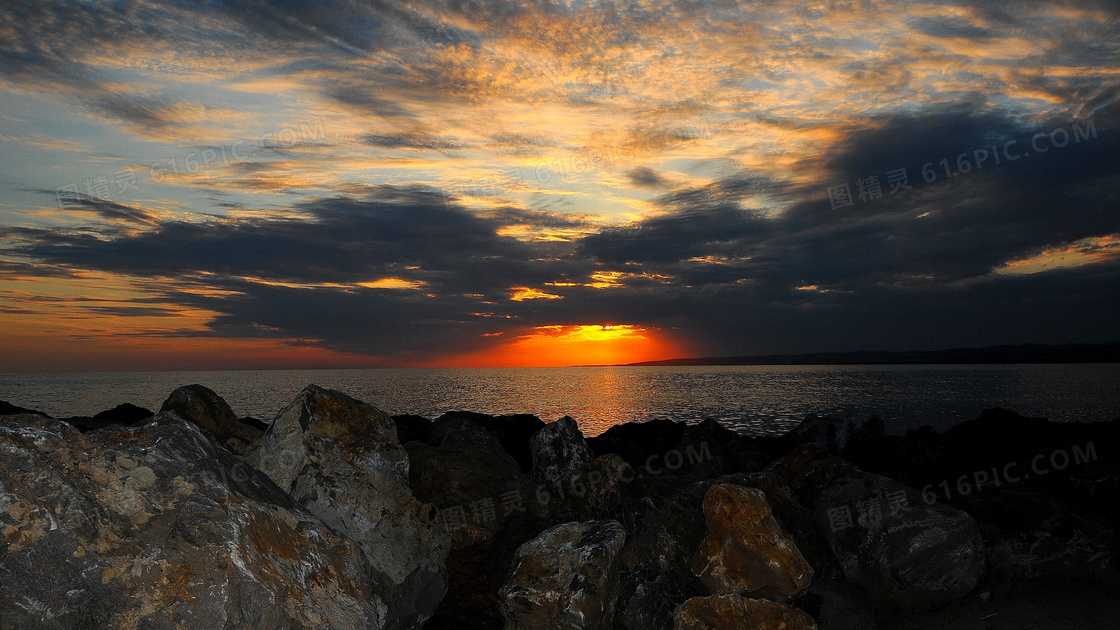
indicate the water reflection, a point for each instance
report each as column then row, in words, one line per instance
column 757, row 399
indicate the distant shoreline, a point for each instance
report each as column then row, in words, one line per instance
column 1005, row 354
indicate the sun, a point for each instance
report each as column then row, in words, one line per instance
column 565, row 345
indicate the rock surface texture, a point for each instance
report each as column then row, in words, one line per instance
column 746, row 550
column 559, row 451
column 156, row 527
column 904, row 553
column 567, row 577
column 735, row 612
column 340, row 458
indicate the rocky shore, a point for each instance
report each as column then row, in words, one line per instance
column 337, row 515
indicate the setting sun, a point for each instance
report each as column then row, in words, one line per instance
column 558, row 346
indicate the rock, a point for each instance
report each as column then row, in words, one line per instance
column 156, row 527
column 904, row 553
column 412, row 428
column 809, row 468
column 125, row 413
column 8, row 409
column 559, row 451
column 653, row 603
column 567, row 577
column 340, row 458
column 839, row 432
column 637, row 441
column 513, row 432
column 211, row 414
column 839, row 605
column 735, row 612
column 715, row 450
column 746, row 550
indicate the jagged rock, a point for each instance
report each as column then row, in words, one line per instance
column 719, row 451
column 470, row 468
column 904, row 553
column 156, row 527
column 559, row 451
column 567, row 577
column 837, row 433
column 513, row 432
column 341, row 459
column 8, row 409
column 735, row 612
column 127, row 414
column 637, row 441
column 211, row 414
column 746, row 550
column 412, row 428
column 653, row 603
column 809, row 468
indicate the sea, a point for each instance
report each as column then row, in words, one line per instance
column 756, row 400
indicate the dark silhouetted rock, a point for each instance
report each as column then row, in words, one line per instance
column 838, row 605
column 653, row 603
column 412, row 428
column 125, row 413
column 746, row 550
column 904, row 553
column 735, row 612
column 567, row 577
column 206, row 410
column 156, row 527
column 513, row 432
column 638, row 441
column 559, row 451
column 837, row 433
column 340, row 458
column 8, row 409
column 809, row 468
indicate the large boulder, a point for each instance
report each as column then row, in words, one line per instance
column 341, row 459
column 905, row 553
column 513, row 432
column 746, row 550
column 732, row 611
column 559, row 451
column 567, row 577
column 156, row 527
column 211, row 414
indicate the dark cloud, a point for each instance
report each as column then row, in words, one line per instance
column 645, row 177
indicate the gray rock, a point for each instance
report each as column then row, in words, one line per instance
column 156, row 527
column 341, row 459
column 211, row 414
column 567, row 577
column 904, row 553
column 559, row 451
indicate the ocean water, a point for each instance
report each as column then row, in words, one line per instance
column 755, row 399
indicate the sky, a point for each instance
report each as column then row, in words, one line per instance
column 248, row 184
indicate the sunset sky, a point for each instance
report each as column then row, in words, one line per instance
column 259, row 184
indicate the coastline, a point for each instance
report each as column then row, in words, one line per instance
column 874, row 530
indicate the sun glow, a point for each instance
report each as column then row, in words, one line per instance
column 560, row 346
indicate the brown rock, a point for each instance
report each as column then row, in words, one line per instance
column 747, row 550
column 735, row 612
